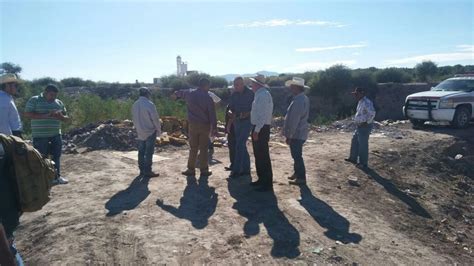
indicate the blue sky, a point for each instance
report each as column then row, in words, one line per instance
column 128, row 40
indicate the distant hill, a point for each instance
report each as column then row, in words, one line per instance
column 230, row 77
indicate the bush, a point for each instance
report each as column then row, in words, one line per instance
column 91, row 108
column 392, row 74
column 77, row 82
column 332, row 82
column 426, row 71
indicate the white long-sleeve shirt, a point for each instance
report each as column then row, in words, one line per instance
column 262, row 109
column 9, row 117
column 145, row 118
column 365, row 111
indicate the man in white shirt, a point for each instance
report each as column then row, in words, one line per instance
column 147, row 123
column 10, row 123
column 364, row 118
column 261, row 119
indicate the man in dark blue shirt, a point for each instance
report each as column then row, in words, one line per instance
column 9, row 211
column 240, row 105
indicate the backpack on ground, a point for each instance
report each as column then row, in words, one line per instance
column 33, row 173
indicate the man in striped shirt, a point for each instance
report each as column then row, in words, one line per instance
column 46, row 113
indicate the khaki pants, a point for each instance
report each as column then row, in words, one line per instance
column 198, row 141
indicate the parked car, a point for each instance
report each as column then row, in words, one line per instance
column 450, row 101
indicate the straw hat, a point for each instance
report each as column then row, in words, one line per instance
column 297, row 82
column 259, row 79
column 8, row 78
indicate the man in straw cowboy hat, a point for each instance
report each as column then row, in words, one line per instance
column 364, row 118
column 295, row 128
column 261, row 119
column 10, row 123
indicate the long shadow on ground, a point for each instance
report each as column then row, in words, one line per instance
column 415, row 207
column 337, row 226
column 262, row 208
column 198, row 203
column 129, row 198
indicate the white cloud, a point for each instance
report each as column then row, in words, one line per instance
column 287, row 22
column 464, row 53
column 466, row 48
column 327, row 48
column 318, row 65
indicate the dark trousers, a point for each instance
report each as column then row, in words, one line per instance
column 51, row 146
column 296, row 148
column 261, row 151
column 231, row 145
column 146, row 149
column 360, row 145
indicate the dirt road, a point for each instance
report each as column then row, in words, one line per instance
column 414, row 207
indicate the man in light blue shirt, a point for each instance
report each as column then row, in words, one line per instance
column 10, row 123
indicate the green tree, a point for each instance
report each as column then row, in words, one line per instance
column 77, row 82
column 179, row 84
column 332, row 82
column 218, row 82
column 193, row 79
column 366, row 80
column 392, row 74
column 426, row 71
column 42, row 82
column 167, row 80
column 11, row 68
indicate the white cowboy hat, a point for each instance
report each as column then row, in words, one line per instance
column 259, row 79
column 9, row 78
column 297, row 82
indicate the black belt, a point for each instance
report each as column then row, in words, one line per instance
column 242, row 116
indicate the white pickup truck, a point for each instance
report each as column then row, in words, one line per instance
column 450, row 101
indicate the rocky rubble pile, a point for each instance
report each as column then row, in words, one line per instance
column 122, row 136
column 112, row 134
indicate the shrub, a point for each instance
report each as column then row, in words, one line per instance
column 392, row 74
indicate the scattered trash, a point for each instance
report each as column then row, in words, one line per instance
column 458, row 157
column 318, row 250
column 336, row 258
column 412, row 193
column 353, row 181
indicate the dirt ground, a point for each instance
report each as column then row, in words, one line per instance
column 415, row 207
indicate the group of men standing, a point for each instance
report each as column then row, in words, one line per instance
column 249, row 114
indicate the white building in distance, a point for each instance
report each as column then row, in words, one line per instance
column 182, row 67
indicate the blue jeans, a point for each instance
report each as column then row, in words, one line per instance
column 241, row 163
column 18, row 259
column 360, row 145
column 296, row 148
column 146, row 149
column 51, row 146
